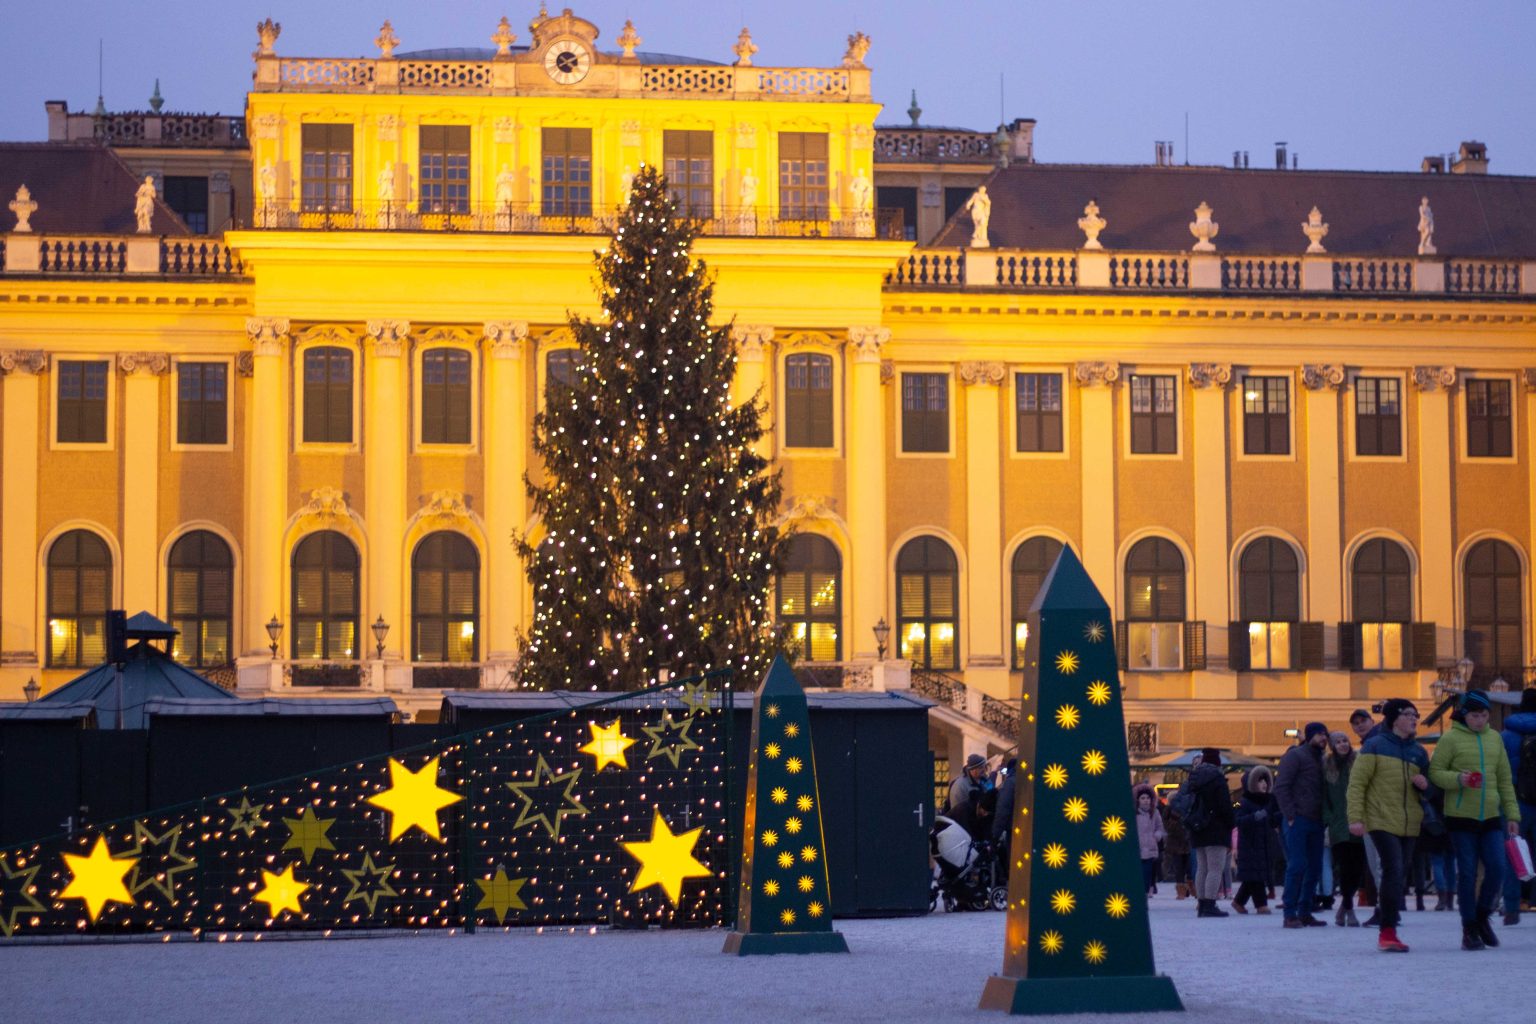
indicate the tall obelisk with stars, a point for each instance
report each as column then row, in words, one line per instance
column 1077, row 939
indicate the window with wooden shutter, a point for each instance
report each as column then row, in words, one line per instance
column 1378, row 416
column 325, row 598
column 1269, row 600
column 446, row 396
column 1154, row 605
column 200, row 599
column 1266, row 416
column 445, row 599
column 1308, row 649
column 1154, row 412
column 327, row 395
column 202, row 403
column 809, row 597
column 1424, row 654
column 925, row 412
column 1194, row 646
column 79, row 595
column 1494, row 609
column 927, row 587
column 1037, row 412
column 1490, row 419
column 1237, row 646
column 1350, row 647
column 1031, row 562
column 808, row 401
column 82, row 401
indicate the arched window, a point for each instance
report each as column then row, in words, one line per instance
column 200, row 593
column 808, row 401
column 325, row 598
column 809, row 589
column 928, row 604
column 327, row 395
column 79, row 594
column 1269, row 601
column 445, row 599
column 1381, row 581
column 1495, row 611
column 1031, row 562
column 1154, row 605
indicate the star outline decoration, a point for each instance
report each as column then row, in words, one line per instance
column 544, row 775
column 163, row 881
column 376, row 876
column 662, row 733
column 247, row 817
column 28, row 881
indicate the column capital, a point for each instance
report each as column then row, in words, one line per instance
column 1088, row 375
column 752, row 341
column 506, row 337
column 1429, row 378
column 23, row 360
column 867, row 341
column 245, row 364
column 268, row 334
column 1208, row 375
column 389, row 336
column 981, row 373
column 1316, row 376
column 147, row 363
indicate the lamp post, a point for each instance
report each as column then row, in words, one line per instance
column 882, row 634
column 31, row 689
column 1499, row 685
column 274, row 630
column 1464, row 669
column 380, row 631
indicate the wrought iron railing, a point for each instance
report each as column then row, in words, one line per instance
column 1001, row 715
column 937, row 686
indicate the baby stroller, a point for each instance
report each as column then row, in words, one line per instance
column 966, row 872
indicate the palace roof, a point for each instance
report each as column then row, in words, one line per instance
column 79, row 188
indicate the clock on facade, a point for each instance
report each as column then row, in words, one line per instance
column 567, row 61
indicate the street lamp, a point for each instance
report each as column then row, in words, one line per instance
column 1499, row 685
column 380, row 631
column 882, row 634
column 274, row 630
column 1464, row 671
column 31, row 689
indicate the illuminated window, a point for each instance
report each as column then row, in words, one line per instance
column 327, row 395
column 1378, row 416
column 1154, row 605
column 1031, row 562
column 79, row 594
column 1382, row 583
column 808, row 401
column 808, row 587
column 688, row 159
column 1266, row 416
column 566, row 177
column 1269, row 601
column 1494, row 609
column 928, row 604
column 445, row 599
column 200, row 593
column 325, row 598
column 446, row 396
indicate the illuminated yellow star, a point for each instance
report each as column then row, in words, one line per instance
column 500, row 894
column 666, row 859
column 792, row 826
column 695, row 698
column 1098, row 692
column 307, row 834
column 792, row 729
column 1076, row 808
column 281, row 892
column 806, row 883
column 1067, row 662
column 814, row 909
column 1117, row 905
column 771, row 710
column 1094, row 762
column 1051, row 942
column 1095, row 952
column 1062, row 901
column 787, row 917
column 786, row 859
column 1067, row 716
column 770, row 888
column 770, row 837
column 804, row 804
column 608, row 744
column 1054, row 855
column 1055, row 776
column 807, row 853
column 98, row 878
column 793, row 766
column 413, row 799
column 772, row 750
column 778, row 794
column 1113, row 828
column 1094, row 632
column 1091, row 862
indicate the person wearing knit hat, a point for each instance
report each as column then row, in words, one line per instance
column 1383, row 800
column 1299, row 793
column 1520, row 747
column 1472, row 768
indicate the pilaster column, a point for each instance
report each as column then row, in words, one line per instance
column 866, row 489
column 506, row 498
column 1322, row 383
column 985, row 666
column 386, row 418
column 1528, row 378
column 141, row 477
column 1208, row 449
column 18, row 512
column 1096, row 400
column 754, row 347
column 1437, row 542
column 266, row 486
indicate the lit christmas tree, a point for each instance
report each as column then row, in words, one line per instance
column 658, row 540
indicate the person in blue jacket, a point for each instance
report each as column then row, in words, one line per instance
column 1517, row 727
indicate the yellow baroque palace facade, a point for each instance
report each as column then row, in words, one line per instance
column 1285, row 418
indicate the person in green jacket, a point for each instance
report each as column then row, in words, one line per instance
column 1472, row 767
column 1383, row 799
column 1348, row 850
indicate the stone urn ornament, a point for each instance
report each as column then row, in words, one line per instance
column 387, row 41
column 1315, row 230
column 23, row 206
column 1204, row 229
column 1091, row 224
column 744, row 49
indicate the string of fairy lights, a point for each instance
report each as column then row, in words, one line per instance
column 611, row 812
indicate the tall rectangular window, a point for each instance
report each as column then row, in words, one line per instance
column 802, row 175
column 1490, row 422
column 82, row 398
column 202, row 403
column 925, row 412
column 326, row 167
column 444, row 173
column 1154, row 408
column 689, row 161
column 1037, row 411
column 1378, row 416
column 188, row 196
column 445, row 396
column 327, row 396
column 808, row 401
column 1266, row 416
column 566, row 176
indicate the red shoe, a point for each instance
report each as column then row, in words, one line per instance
column 1388, row 942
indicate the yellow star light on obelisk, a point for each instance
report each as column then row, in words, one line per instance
column 1067, row 662
column 1067, row 716
column 1095, row 952
column 1076, row 809
column 1062, row 901
column 1055, row 855
column 1094, row 762
column 666, row 859
column 1091, row 862
column 1051, row 942
column 1055, row 776
column 281, row 892
column 1113, row 828
column 1117, row 905
column 98, row 878
column 413, row 799
column 1098, row 692
column 608, row 745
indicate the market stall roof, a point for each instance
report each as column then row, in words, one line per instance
column 545, row 701
column 327, row 707
column 148, row 673
column 1183, row 760
column 36, row 711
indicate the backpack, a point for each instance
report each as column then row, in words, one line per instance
column 1190, row 809
column 1525, row 778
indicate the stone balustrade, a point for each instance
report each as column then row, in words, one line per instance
column 115, row 255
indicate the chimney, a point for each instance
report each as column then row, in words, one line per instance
column 1245, row 159
column 1432, row 165
column 1279, row 156
column 1473, row 159
column 1237, row 159
column 1295, row 161
column 58, row 120
column 1160, row 148
column 1022, row 132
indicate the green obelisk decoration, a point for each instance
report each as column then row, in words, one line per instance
column 1077, row 939
column 785, row 904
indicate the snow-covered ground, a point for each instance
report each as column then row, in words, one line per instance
column 1243, row 970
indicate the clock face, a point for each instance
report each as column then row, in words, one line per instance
column 567, row 61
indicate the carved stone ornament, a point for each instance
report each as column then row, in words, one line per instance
column 23, row 206
column 23, row 360
column 1428, row 378
column 1316, row 376
column 389, row 336
column 1206, row 375
column 266, row 37
column 746, row 135
column 858, row 49
column 387, row 41
column 628, row 38
column 268, row 333
column 1090, row 223
column 504, row 38
column 866, row 342
column 245, row 364
column 1204, row 229
column 629, row 133
column 218, row 183
column 504, row 129
column 744, row 49
column 752, row 341
column 506, row 338
column 144, row 204
column 932, row 194
column 1315, row 230
column 808, row 506
column 1090, row 374
column 388, row 128
column 149, row 363
column 326, row 503
column 267, row 125
column 1528, row 377
column 445, row 505
column 863, row 134
column 887, row 371
column 974, row 373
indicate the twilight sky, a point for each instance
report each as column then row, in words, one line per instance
column 1367, row 84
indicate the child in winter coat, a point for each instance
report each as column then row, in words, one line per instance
column 1258, row 840
column 1149, row 834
